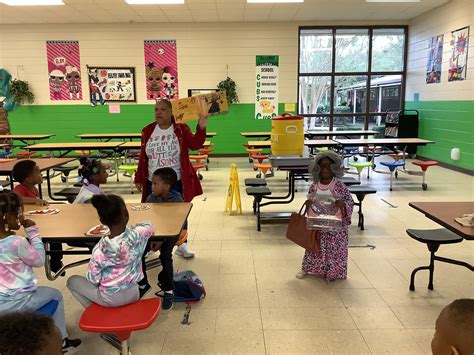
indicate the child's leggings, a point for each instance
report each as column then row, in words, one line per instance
column 35, row 300
column 87, row 293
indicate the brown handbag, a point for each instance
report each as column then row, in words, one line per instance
column 299, row 234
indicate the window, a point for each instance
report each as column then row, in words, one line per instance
column 350, row 76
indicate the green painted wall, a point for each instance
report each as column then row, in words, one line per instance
column 67, row 121
column 450, row 124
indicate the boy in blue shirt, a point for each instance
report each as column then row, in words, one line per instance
column 162, row 182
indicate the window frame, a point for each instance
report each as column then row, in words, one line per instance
column 333, row 74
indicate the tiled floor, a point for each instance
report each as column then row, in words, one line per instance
column 255, row 304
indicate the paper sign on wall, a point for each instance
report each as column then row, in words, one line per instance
column 189, row 108
column 266, row 91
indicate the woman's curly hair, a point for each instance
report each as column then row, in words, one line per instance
column 337, row 167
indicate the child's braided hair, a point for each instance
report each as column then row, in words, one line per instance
column 9, row 203
column 88, row 169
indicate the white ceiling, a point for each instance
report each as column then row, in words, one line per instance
column 113, row 11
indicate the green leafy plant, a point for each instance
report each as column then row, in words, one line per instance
column 230, row 87
column 20, row 92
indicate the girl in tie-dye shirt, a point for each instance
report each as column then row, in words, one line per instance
column 18, row 256
column 115, row 266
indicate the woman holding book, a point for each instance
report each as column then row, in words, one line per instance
column 166, row 143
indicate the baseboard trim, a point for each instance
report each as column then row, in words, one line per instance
column 450, row 166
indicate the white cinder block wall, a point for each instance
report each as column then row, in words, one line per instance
column 442, row 20
column 207, row 52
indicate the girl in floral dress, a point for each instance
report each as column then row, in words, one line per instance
column 331, row 261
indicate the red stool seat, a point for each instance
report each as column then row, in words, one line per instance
column 198, row 166
column 260, row 157
column 198, row 158
column 25, row 155
column 263, row 167
column 121, row 321
column 205, row 151
column 252, row 151
column 424, row 165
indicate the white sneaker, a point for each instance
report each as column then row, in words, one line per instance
column 183, row 250
column 301, row 274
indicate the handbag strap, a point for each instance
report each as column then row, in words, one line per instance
column 305, row 209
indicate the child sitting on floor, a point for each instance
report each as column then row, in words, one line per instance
column 162, row 181
column 28, row 174
column 29, row 333
column 18, row 256
column 93, row 173
column 454, row 331
column 115, row 266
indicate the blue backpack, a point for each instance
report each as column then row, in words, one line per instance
column 188, row 287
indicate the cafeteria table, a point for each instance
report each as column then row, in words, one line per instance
column 44, row 164
column 107, row 137
column 138, row 145
column 25, row 138
column 74, row 220
column 66, row 148
column 444, row 214
column 313, row 143
column 311, row 134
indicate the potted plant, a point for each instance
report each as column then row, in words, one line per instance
column 18, row 93
column 230, row 87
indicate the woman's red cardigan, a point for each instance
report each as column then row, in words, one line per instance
column 187, row 140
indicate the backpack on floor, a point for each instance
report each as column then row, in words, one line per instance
column 188, row 287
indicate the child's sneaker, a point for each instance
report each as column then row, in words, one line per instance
column 183, row 250
column 301, row 274
column 143, row 289
column 70, row 345
column 166, row 300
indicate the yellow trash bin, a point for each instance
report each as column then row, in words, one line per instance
column 287, row 136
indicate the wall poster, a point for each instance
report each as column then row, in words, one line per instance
column 64, row 70
column 161, row 68
column 111, row 84
column 435, row 59
column 458, row 60
column 266, row 91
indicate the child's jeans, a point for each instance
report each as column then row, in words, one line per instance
column 34, row 301
column 87, row 293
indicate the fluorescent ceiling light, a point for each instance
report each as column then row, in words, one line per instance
column 272, row 1
column 392, row 0
column 31, row 2
column 154, row 2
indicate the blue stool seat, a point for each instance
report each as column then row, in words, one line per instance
column 49, row 308
column 4, row 154
column 392, row 165
column 349, row 150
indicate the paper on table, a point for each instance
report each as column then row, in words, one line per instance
column 467, row 220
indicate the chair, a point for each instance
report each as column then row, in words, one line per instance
column 259, row 157
column 433, row 239
column 360, row 192
column 392, row 166
column 69, row 193
column 196, row 169
column 263, row 169
column 129, row 171
column 197, row 160
column 255, row 182
column 206, row 151
column 360, row 166
column 253, row 151
column 120, row 321
column 4, row 154
column 424, row 165
column 49, row 308
column 258, row 193
column 25, row 155
column 65, row 171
